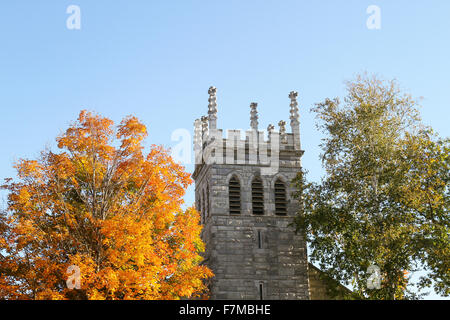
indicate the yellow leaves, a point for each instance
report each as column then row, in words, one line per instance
column 90, row 134
column 109, row 279
column 131, row 132
column 108, row 210
column 48, row 294
column 29, row 169
column 94, row 294
column 23, row 196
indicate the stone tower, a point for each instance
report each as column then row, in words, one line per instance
column 244, row 193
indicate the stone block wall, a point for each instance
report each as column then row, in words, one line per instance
column 241, row 263
column 252, row 257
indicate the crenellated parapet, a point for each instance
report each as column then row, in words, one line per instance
column 269, row 149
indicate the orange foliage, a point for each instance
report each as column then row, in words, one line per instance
column 105, row 207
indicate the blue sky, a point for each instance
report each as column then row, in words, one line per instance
column 156, row 60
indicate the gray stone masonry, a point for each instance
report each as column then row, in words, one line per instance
column 252, row 256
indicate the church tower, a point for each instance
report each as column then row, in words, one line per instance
column 244, row 192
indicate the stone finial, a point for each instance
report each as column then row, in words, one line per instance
column 253, row 116
column 212, row 90
column 283, row 136
column 198, row 142
column 204, row 120
column 295, row 124
column 212, row 108
column 294, row 108
column 197, row 132
column 293, row 95
column 270, row 129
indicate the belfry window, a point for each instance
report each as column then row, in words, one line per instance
column 234, row 194
column 280, row 198
column 257, row 196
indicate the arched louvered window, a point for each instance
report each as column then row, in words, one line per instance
column 234, row 194
column 280, row 198
column 257, row 196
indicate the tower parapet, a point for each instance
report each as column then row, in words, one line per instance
column 280, row 148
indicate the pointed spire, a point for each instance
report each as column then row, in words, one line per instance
column 204, row 120
column 253, row 116
column 283, row 136
column 270, row 129
column 197, row 132
column 212, row 108
column 295, row 123
column 294, row 108
column 198, row 141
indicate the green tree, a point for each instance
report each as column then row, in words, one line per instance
column 385, row 196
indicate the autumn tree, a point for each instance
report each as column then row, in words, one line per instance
column 102, row 207
column 384, row 200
